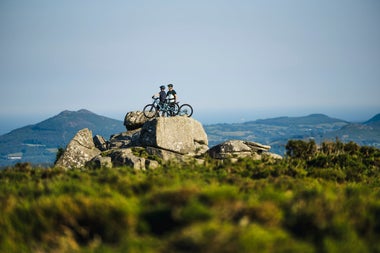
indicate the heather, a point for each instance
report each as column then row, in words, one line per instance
column 316, row 199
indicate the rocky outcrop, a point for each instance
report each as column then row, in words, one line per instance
column 238, row 148
column 174, row 138
column 148, row 143
column 134, row 120
column 79, row 151
column 182, row 135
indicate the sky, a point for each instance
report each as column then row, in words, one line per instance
column 233, row 61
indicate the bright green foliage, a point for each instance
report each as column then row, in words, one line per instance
column 323, row 202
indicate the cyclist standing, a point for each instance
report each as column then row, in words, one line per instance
column 171, row 95
column 162, row 96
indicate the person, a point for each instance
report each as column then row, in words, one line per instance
column 171, row 95
column 162, row 96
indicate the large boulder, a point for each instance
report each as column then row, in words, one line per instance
column 238, row 148
column 79, row 151
column 182, row 135
column 134, row 120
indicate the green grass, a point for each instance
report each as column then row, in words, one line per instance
column 290, row 205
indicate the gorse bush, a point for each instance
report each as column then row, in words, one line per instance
column 318, row 201
column 301, row 149
column 335, row 160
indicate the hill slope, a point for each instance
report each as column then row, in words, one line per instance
column 38, row 143
column 375, row 120
column 367, row 133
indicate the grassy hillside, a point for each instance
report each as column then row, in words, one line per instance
column 312, row 201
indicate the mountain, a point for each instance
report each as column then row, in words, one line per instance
column 38, row 143
column 277, row 131
column 312, row 119
column 374, row 121
column 367, row 133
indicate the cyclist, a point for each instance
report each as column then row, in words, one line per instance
column 162, row 96
column 171, row 95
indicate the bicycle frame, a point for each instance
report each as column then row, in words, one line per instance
column 165, row 109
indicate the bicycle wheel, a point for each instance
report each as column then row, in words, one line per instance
column 150, row 111
column 185, row 110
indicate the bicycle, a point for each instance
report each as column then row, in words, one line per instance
column 155, row 109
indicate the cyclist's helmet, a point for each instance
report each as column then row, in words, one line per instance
column 162, row 87
column 170, row 85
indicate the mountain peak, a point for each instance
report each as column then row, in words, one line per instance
column 84, row 111
column 81, row 111
column 317, row 115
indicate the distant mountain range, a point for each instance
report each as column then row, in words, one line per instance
column 38, row 143
column 277, row 131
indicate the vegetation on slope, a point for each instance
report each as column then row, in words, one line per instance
column 315, row 200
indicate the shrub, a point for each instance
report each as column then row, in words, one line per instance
column 301, row 149
column 59, row 153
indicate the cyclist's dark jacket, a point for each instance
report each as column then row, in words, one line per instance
column 162, row 96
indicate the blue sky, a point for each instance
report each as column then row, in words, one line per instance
column 232, row 60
